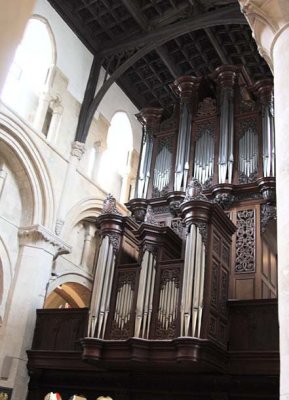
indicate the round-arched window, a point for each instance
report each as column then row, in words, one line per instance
column 115, row 163
column 30, row 68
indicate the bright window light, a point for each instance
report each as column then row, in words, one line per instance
column 115, row 158
column 29, row 70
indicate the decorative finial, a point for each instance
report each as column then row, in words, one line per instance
column 194, row 191
column 109, row 205
column 150, row 217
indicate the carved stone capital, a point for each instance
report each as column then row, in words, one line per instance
column 77, row 149
column 40, row 237
column 267, row 19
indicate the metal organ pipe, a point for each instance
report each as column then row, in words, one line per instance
column 193, row 284
column 150, row 119
column 102, row 289
column 145, row 295
column 187, row 88
column 225, row 78
column 204, row 155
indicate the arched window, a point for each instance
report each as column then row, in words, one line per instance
column 29, row 71
column 115, row 163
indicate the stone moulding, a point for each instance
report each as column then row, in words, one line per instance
column 40, row 237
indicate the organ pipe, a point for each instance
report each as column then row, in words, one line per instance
column 204, row 156
column 225, row 77
column 193, row 284
column 99, row 308
column 187, row 88
column 150, row 119
column 144, row 304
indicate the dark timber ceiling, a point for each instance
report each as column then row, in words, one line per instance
column 116, row 30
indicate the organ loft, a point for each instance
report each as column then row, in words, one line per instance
column 184, row 299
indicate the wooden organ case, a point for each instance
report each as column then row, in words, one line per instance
column 187, row 283
column 196, row 238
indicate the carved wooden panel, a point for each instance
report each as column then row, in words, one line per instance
column 60, row 329
column 245, row 241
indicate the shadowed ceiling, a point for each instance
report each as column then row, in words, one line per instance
column 177, row 37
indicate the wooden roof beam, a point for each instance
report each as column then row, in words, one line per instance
column 223, row 16
column 144, row 24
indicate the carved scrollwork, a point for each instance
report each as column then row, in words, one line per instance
column 194, row 191
column 109, row 206
column 225, row 200
column 203, row 228
column 207, row 107
column 150, row 216
column 245, row 241
column 150, row 247
column 178, row 226
column 126, row 278
column 170, row 275
column 114, row 240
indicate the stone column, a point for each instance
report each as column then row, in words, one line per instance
column 77, row 151
column 38, row 248
column 187, row 88
column 269, row 21
column 150, row 120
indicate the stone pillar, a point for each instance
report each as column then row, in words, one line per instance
column 13, row 18
column 38, row 248
column 150, row 120
column 225, row 78
column 269, row 21
column 77, row 151
column 187, row 88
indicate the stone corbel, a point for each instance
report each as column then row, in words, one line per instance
column 77, row 149
column 38, row 236
column 267, row 19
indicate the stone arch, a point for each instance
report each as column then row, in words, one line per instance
column 36, row 183
column 5, row 277
column 51, row 35
column 72, row 288
column 89, row 207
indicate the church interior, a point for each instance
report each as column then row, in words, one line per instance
column 143, row 163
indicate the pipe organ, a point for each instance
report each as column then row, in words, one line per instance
column 202, row 225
